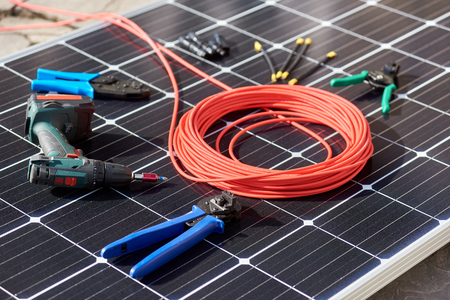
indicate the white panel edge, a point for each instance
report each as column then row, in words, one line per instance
column 398, row 264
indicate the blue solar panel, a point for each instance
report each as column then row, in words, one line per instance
column 342, row 244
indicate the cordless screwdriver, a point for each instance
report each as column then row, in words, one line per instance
column 52, row 121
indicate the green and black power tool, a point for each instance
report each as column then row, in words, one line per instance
column 52, row 121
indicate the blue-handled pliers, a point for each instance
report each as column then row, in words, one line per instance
column 207, row 216
column 89, row 84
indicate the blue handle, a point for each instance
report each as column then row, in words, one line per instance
column 64, row 86
column 177, row 246
column 151, row 235
column 45, row 74
column 64, row 82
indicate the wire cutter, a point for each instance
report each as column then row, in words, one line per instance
column 385, row 79
column 89, row 84
column 208, row 216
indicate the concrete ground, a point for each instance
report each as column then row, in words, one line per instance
column 430, row 279
column 11, row 15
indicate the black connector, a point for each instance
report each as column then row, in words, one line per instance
column 259, row 48
column 316, row 67
column 191, row 46
column 224, row 46
column 216, row 48
column 208, row 49
column 285, row 73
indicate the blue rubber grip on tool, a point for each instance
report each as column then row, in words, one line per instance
column 387, row 93
column 177, row 246
column 64, row 82
column 350, row 80
column 64, row 86
column 44, row 74
column 151, row 235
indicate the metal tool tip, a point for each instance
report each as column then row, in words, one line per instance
column 148, row 177
column 138, row 177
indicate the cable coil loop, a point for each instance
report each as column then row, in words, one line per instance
column 292, row 104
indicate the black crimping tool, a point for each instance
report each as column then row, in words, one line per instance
column 208, row 216
column 89, row 84
column 385, row 79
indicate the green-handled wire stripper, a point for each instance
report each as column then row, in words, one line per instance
column 385, row 79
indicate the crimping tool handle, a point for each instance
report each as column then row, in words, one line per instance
column 387, row 93
column 52, row 140
column 45, row 74
column 62, row 86
column 177, row 246
column 151, row 235
column 64, row 82
column 350, row 80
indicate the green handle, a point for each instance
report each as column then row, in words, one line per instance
column 386, row 97
column 53, row 142
column 350, row 80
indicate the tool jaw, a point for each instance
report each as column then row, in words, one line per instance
column 106, row 87
column 223, row 207
column 380, row 79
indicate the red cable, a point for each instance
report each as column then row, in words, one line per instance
column 292, row 104
column 307, row 105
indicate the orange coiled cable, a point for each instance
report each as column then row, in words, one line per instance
column 295, row 103
column 291, row 104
